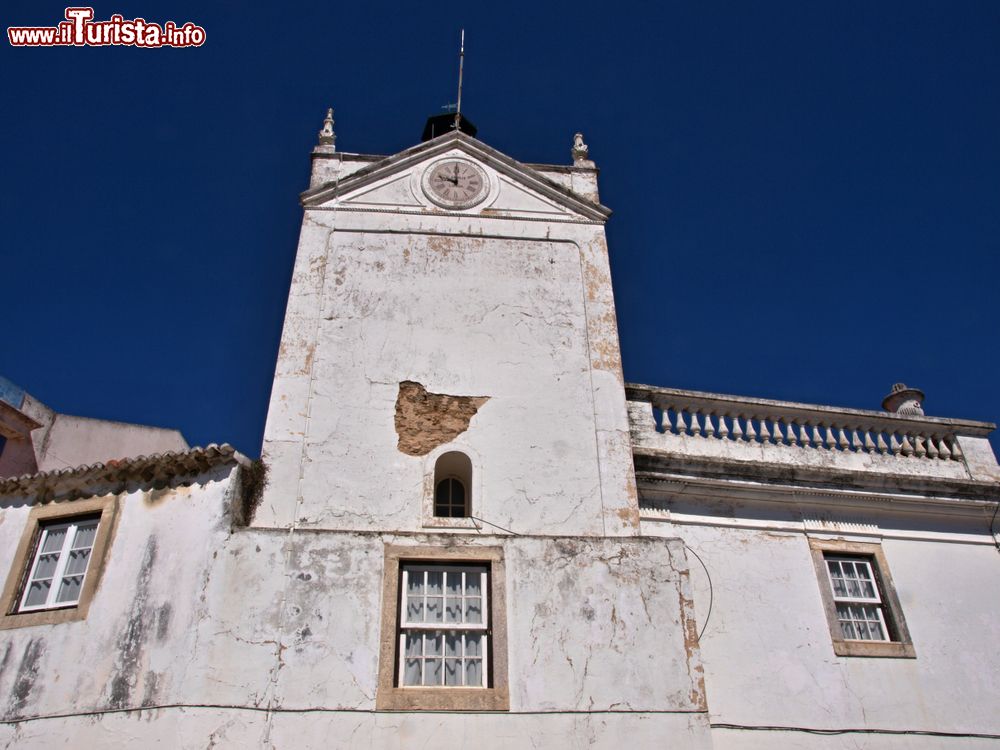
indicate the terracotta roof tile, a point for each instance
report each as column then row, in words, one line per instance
column 48, row 485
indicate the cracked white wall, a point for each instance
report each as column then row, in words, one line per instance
column 273, row 632
column 767, row 648
column 254, row 637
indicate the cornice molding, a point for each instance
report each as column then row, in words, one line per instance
column 654, row 464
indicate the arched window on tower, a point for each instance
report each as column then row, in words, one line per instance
column 453, row 485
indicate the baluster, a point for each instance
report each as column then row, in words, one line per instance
column 932, row 450
column 882, row 447
column 695, row 424
column 956, row 449
column 815, row 438
column 737, row 430
column 776, row 431
column 723, row 427
column 751, row 433
column 906, row 448
column 842, row 440
column 943, row 448
column 870, row 446
column 893, row 444
column 793, row 439
column 709, row 427
column 765, row 436
column 856, row 445
column 681, row 425
column 666, row 425
column 831, row 441
column 919, row 448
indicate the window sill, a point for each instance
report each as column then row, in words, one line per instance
column 440, row 522
column 443, row 699
column 884, row 649
column 52, row 616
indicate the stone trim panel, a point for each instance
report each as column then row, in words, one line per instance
column 900, row 648
column 107, row 508
column 389, row 697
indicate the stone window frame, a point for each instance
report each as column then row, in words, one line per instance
column 473, row 490
column 901, row 645
column 390, row 696
column 107, row 510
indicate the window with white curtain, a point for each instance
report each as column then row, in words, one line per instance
column 444, row 626
column 59, row 564
column 856, row 595
column 859, row 599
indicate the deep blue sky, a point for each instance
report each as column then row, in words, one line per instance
column 806, row 195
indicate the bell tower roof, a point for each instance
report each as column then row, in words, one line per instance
column 441, row 124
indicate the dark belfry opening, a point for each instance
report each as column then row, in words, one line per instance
column 441, row 124
column 449, row 499
column 452, row 485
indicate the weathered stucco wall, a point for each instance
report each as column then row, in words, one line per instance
column 409, row 331
column 75, row 441
column 481, row 303
column 40, row 439
column 238, row 728
column 767, row 647
column 262, row 637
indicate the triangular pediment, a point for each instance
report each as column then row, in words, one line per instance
column 508, row 188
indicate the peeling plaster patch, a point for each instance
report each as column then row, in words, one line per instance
column 426, row 420
column 27, row 673
column 692, row 646
column 630, row 515
column 133, row 637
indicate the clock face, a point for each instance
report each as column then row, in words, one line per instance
column 455, row 183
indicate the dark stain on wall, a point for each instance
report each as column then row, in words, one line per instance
column 27, row 673
column 151, row 689
column 133, row 637
column 6, row 658
column 163, row 621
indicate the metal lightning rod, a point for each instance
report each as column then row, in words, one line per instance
column 461, row 65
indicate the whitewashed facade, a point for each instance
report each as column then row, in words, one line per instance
column 624, row 563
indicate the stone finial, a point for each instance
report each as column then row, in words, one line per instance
column 581, row 152
column 907, row 402
column 326, row 136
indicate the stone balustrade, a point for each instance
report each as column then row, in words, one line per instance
column 785, row 432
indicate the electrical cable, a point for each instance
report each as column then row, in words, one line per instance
column 855, row 730
column 711, row 591
column 993, row 534
column 475, row 518
column 323, row 710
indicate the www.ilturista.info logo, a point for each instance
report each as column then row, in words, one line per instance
column 81, row 30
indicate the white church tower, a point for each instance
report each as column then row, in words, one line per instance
column 449, row 410
column 449, row 299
